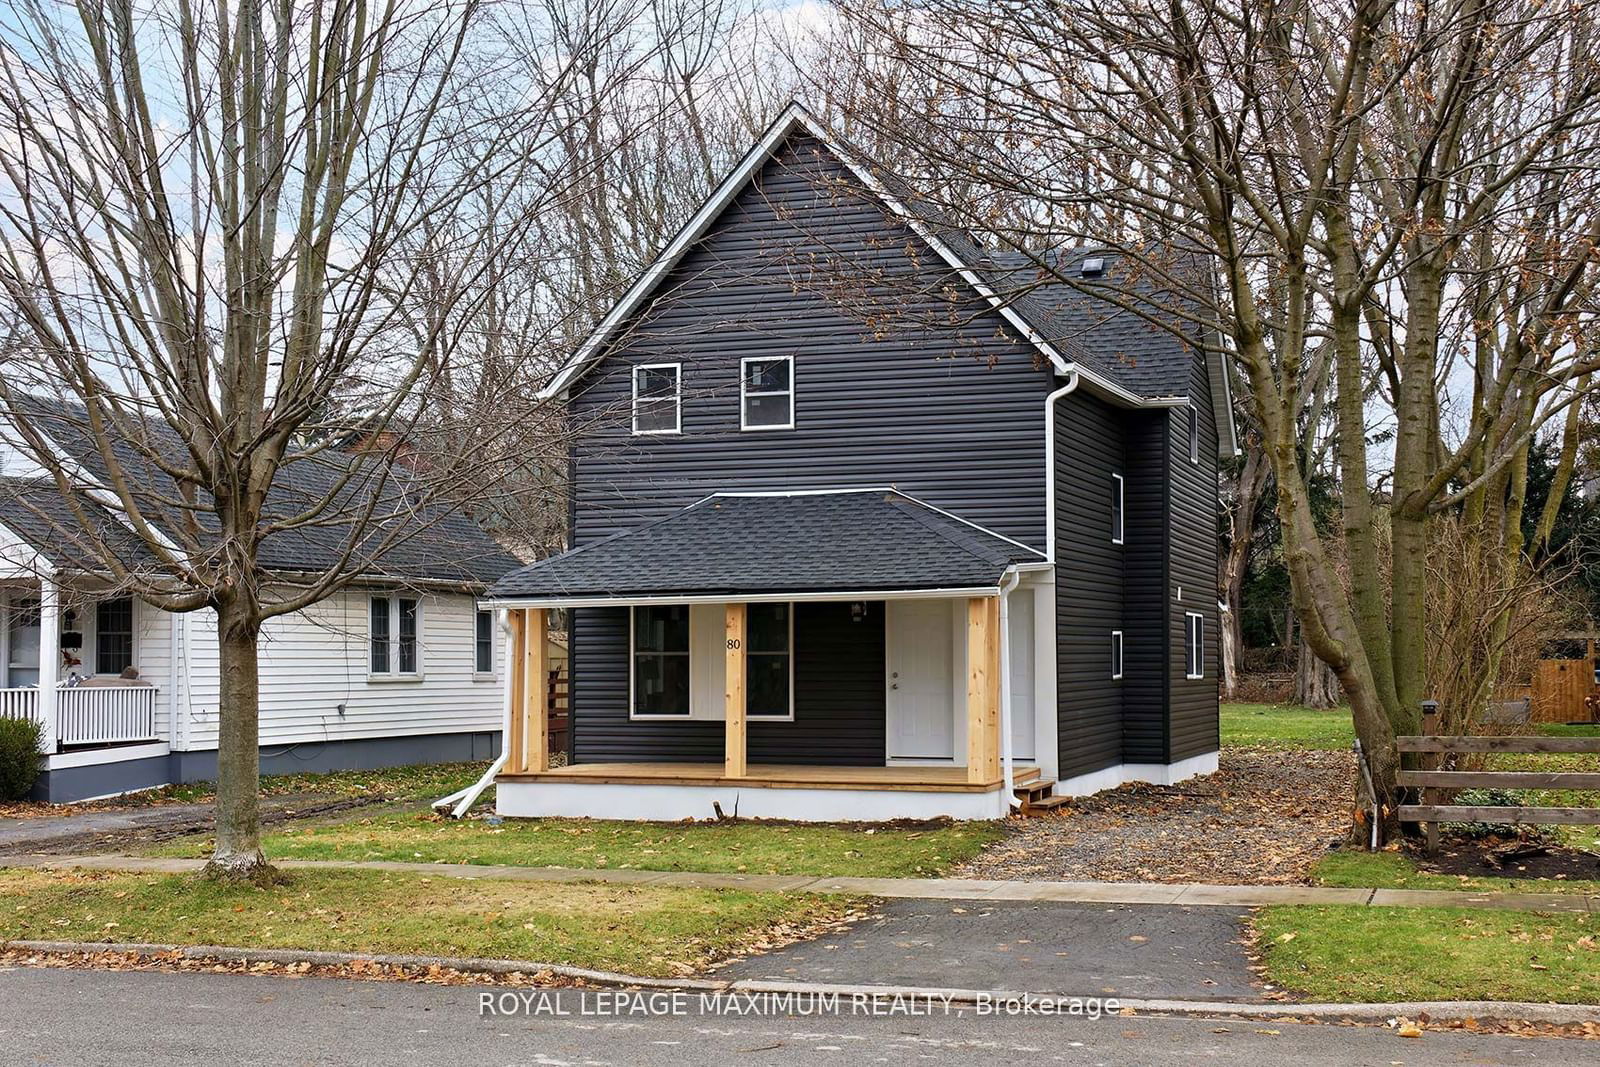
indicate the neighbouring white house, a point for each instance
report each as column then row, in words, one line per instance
column 401, row 668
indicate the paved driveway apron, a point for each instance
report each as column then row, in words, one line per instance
column 1143, row 950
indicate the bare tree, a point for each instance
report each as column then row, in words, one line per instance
column 231, row 232
column 1411, row 189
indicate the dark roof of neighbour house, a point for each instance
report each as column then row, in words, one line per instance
column 848, row 541
column 404, row 539
column 38, row 512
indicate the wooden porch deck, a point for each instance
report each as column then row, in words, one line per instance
column 934, row 779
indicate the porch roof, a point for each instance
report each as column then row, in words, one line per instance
column 37, row 512
column 767, row 545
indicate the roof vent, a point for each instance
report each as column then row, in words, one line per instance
column 1093, row 267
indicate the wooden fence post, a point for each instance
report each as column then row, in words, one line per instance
column 1431, row 795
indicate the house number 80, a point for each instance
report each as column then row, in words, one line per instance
column 733, row 643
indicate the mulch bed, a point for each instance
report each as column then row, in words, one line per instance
column 1471, row 858
column 1263, row 818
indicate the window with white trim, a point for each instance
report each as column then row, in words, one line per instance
column 1116, row 509
column 113, row 635
column 1116, row 654
column 1194, row 434
column 679, row 662
column 766, row 393
column 769, row 661
column 661, row 660
column 392, row 637
column 483, row 642
column 657, row 398
column 1194, row 625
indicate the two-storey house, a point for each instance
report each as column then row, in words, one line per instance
column 868, row 523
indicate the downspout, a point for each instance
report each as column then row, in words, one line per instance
column 1013, row 576
column 1050, row 461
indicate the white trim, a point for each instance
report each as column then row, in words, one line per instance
column 1119, row 510
column 744, row 426
column 1192, row 429
column 1119, row 774
column 478, row 674
column 1198, row 635
column 750, row 716
column 1116, row 655
column 633, row 679
column 645, row 600
column 674, row 803
column 677, row 397
column 94, row 757
column 690, row 715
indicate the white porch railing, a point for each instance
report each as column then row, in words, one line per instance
column 91, row 715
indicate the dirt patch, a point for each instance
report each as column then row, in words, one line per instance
column 1473, row 858
column 1263, row 818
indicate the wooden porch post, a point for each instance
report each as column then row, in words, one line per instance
column 983, row 689
column 733, row 748
column 516, row 682
column 536, row 692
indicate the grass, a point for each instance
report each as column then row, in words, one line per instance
column 1394, row 870
column 427, row 781
column 635, row 929
column 1380, row 954
column 1286, row 726
column 740, row 847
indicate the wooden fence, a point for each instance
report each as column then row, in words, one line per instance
column 1436, row 777
column 560, row 711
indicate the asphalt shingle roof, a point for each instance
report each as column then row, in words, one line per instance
column 403, row 539
column 38, row 512
column 806, row 543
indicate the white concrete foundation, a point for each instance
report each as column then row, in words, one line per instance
column 1122, row 773
column 672, row 803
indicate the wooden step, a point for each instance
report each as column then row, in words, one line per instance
column 1021, row 775
column 1046, row 804
column 1038, row 785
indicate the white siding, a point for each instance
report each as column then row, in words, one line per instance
column 315, row 660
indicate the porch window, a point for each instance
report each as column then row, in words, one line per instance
column 483, row 643
column 1116, row 509
column 657, row 398
column 768, row 661
column 1116, row 654
column 661, row 660
column 766, row 393
column 392, row 636
column 1195, row 634
column 113, row 635
column 22, row 627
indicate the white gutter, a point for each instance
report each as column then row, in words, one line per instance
column 1006, row 761
column 1050, row 461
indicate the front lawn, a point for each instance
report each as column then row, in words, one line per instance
column 1286, row 726
column 737, row 847
column 1395, row 870
column 423, row 781
column 636, row 929
column 1381, row 954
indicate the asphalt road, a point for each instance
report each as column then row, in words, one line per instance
column 141, row 1019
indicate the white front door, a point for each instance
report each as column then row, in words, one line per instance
column 921, row 703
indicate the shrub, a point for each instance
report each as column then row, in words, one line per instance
column 19, row 757
column 1491, row 798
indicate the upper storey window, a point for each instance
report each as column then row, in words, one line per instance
column 766, row 393
column 658, row 398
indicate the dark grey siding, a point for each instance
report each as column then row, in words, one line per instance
column 838, row 685
column 1193, row 728
column 838, row 692
column 1144, row 716
column 902, row 376
column 1089, row 583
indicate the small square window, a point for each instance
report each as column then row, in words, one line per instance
column 657, row 398
column 766, row 393
column 1116, row 509
column 1116, row 654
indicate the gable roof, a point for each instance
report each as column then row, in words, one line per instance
column 1046, row 312
column 760, row 545
column 37, row 512
column 404, row 539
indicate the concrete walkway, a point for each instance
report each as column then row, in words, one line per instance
column 1226, row 896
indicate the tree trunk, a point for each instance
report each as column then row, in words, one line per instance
column 1315, row 684
column 237, row 855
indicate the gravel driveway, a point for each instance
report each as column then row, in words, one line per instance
column 1262, row 819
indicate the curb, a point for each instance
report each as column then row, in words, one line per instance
column 1011, row 1001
